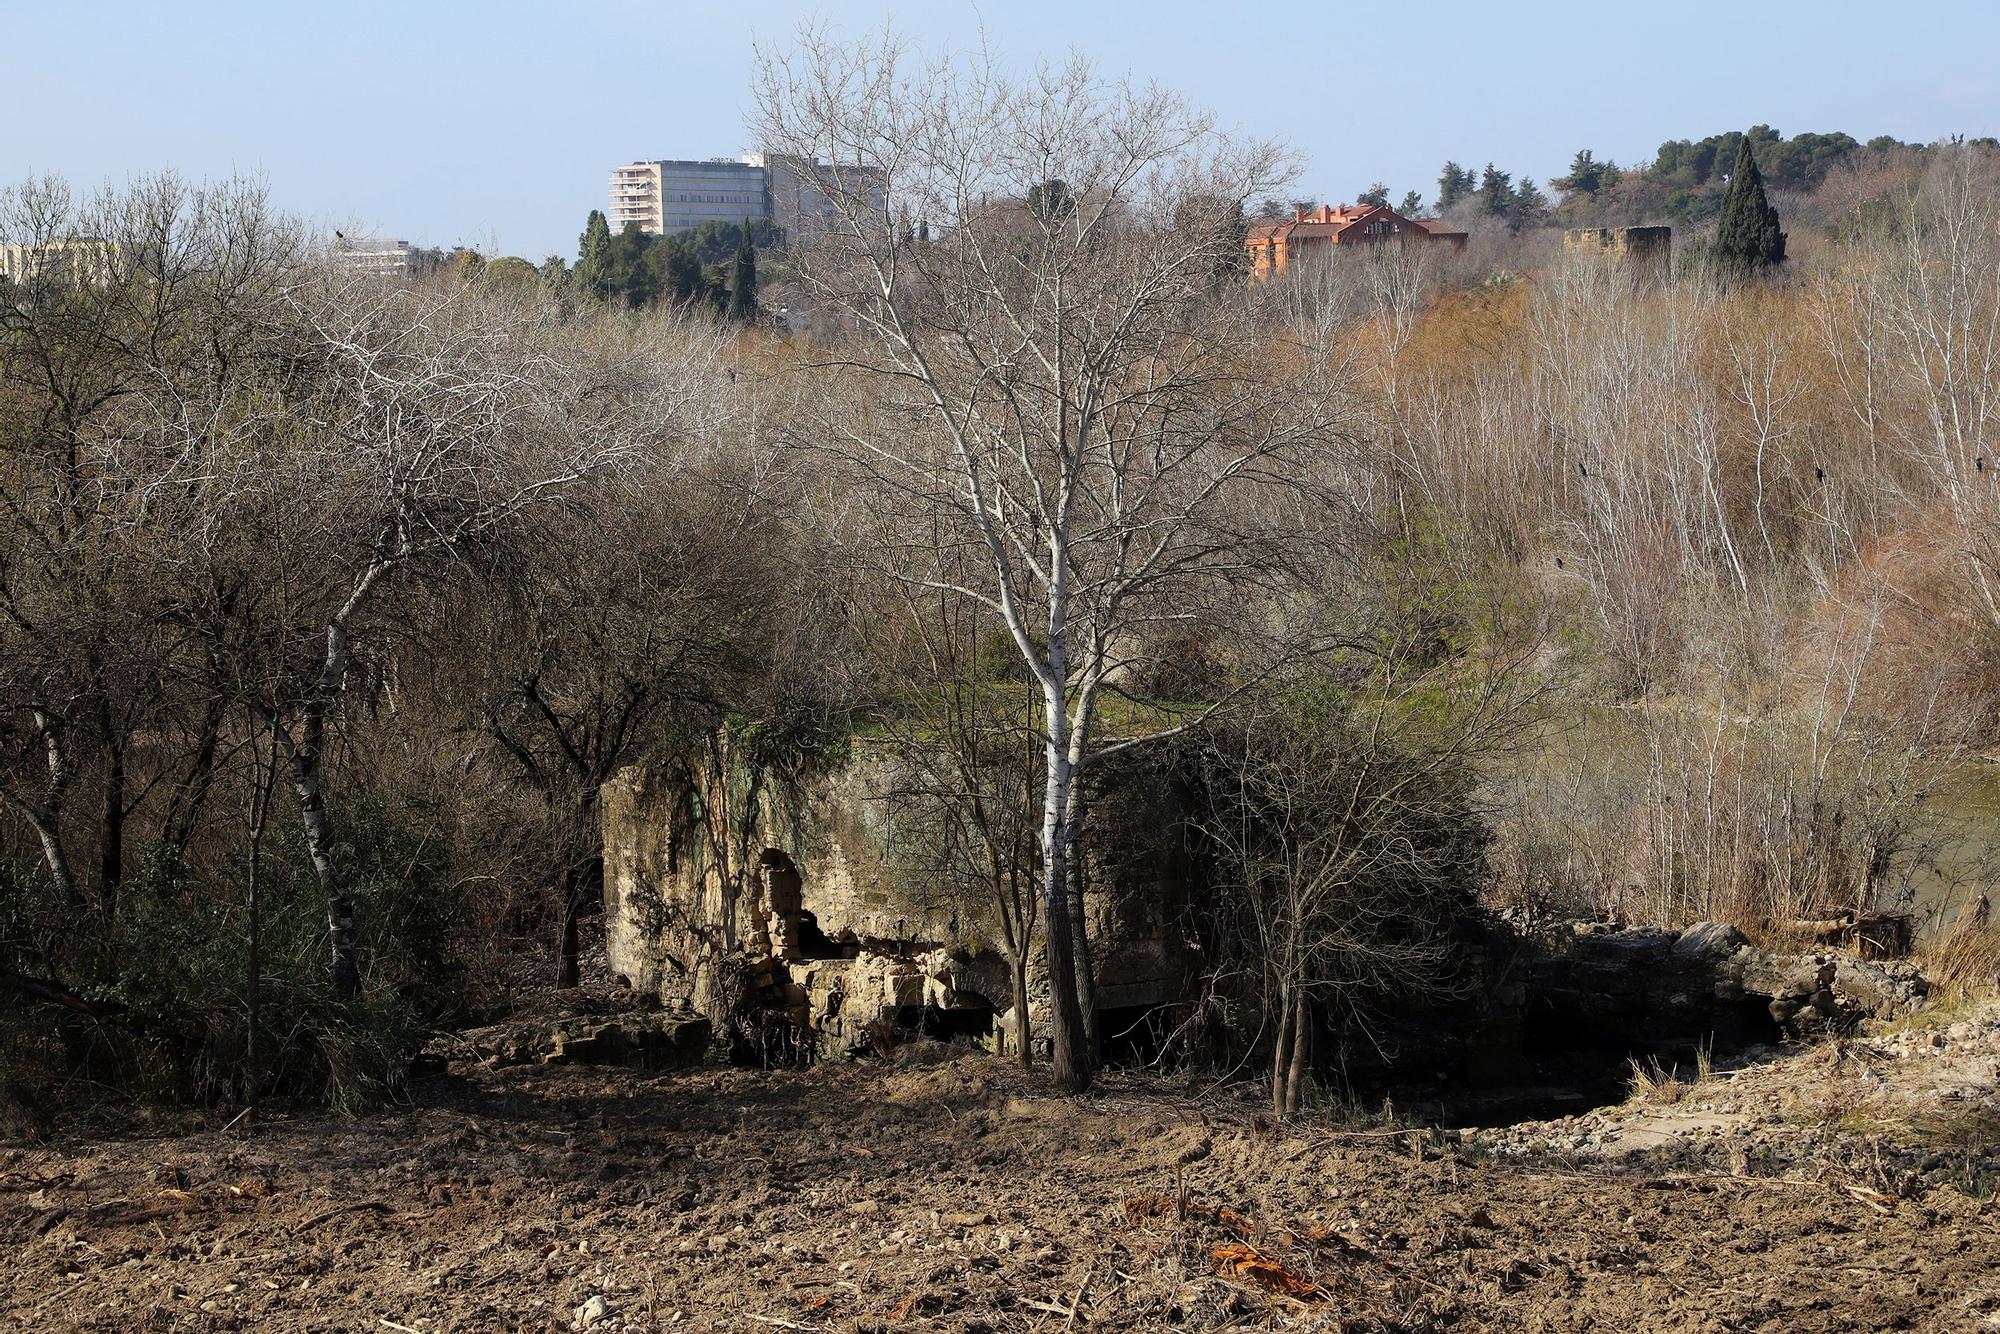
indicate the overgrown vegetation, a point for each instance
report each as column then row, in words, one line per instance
column 1666, row 594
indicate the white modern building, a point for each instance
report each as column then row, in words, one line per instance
column 377, row 257
column 85, row 260
column 672, row 195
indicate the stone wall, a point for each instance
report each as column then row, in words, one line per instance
column 740, row 895
column 765, row 903
column 1646, row 251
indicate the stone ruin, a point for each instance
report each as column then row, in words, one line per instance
column 1645, row 252
column 777, row 907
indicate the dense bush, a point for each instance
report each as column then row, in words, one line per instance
column 168, row 985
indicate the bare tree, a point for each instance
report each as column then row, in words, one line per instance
column 122, row 302
column 1343, row 805
column 966, row 759
column 640, row 636
column 400, row 428
column 1936, row 297
column 1061, row 374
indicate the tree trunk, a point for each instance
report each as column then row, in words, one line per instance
column 1023, row 1030
column 54, row 855
column 46, row 818
column 568, row 973
column 1086, row 974
column 306, row 781
column 1281, row 1055
column 1070, row 1061
column 184, row 807
column 253, row 1055
column 111, row 855
column 1295, row 1081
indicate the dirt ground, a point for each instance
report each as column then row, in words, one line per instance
column 948, row 1195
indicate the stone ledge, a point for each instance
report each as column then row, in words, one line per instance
column 660, row 1041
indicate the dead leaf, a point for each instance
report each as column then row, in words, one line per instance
column 1248, row 1264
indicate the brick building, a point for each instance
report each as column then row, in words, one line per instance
column 1276, row 246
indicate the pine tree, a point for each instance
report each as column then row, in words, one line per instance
column 593, row 258
column 681, row 278
column 1375, row 196
column 1454, row 184
column 1412, row 205
column 743, row 284
column 626, row 273
column 1496, row 192
column 1748, row 239
column 1586, row 174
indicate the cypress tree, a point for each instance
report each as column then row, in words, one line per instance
column 1748, row 239
column 743, row 288
column 593, row 258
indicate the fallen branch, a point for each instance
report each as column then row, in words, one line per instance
column 52, row 992
column 378, row 1206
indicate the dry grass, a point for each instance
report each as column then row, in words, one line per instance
column 1963, row 966
column 1664, row 1085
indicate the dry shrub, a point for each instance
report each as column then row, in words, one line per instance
column 1651, row 1081
column 1905, row 622
column 1964, row 964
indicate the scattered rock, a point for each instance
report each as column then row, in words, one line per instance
column 654, row 1041
column 593, row 1312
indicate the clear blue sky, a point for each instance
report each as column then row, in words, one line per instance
column 495, row 124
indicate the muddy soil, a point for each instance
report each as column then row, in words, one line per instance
column 955, row 1196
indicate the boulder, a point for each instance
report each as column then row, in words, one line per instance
column 1709, row 941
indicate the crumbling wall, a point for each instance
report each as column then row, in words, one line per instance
column 1644, row 251
column 740, row 896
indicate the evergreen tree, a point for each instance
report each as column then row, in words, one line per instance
column 593, row 258
column 1748, row 239
column 743, row 283
column 1412, row 205
column 1529, row 201
column 1050, row 201
column 1454, row 184
column 1220, row 218
column 1496, row 192
column 681, row 278
column 1586, row 175
column 1375, row 196
column 627, row 275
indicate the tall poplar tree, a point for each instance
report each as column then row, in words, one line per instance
column 1748, row 239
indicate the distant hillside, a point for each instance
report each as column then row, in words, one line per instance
column 1682, row 184
column 1685, row 180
